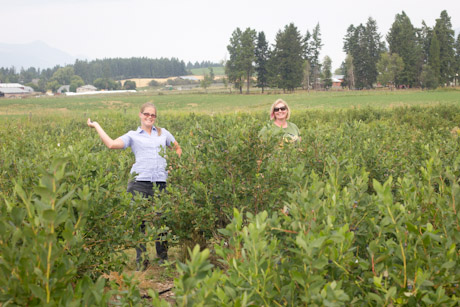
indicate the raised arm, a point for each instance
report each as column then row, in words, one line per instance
column 177, row 148
column 107, row 140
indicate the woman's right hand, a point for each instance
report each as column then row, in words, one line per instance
column 91, row 123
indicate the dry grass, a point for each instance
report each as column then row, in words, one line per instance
column 144, row 82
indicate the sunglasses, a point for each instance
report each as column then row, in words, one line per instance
column 279, row 109
column 149, row 115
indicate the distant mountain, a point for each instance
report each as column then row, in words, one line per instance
column 35, row 54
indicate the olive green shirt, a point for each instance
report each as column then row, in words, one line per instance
column 291, row 133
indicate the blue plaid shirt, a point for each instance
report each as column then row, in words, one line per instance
column 149, row 165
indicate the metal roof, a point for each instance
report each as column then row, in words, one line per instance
column 13, row 90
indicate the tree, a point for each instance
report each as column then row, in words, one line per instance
column 434, row 60
column 327, row 74
column 129, row 85
column 286, row 62
column 75, row 83
column 424, row 35
column 390, row 66
column 306, row 75
column 233, row 69
column 63, row 75
column 457, row 60
column 364, row 44
column 402, row 40
column 53, row 86
column 240, row 67
column 262, row 53
column 248, row 54
column 316, row 45
column 428, row 78
column 206, row 82
column 212, row 76
column 154, row 83
column 445, row 37
column 349, row 76
column 106, row 84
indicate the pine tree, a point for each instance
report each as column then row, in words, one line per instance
column 434, row 60
column 287, row 61
column 364, row 44
column 327, row 74
column 233, row 69
column 445, row 36
column 402, row 40
column 262, row 54
column 457, row 60
column 316, row 45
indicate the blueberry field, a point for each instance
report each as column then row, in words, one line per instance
column 364, row 211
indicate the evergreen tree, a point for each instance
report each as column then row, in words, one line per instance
column 306, row 75
column 287, row 58
column 262, row 54
column 402, row 40
column 457, row 60
column 327, row 74
column 434, row 60
column 390, row 66
column 364, row 44
column 316, row 45
column 445, row 37
column 428, row 78
column 248, row 54
column 233, row 67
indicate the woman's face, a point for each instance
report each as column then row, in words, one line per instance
column 148, row 116
column 280, row 111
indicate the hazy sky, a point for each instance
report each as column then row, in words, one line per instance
column 196, row 30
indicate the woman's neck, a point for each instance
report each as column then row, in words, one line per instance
column 147, row 129
column 282, row 123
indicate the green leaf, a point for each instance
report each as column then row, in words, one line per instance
column 38, row 292
column 49, row 215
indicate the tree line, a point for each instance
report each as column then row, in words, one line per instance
column 425, row 57
column 102, row 73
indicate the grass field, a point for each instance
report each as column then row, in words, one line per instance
column 225, row 103
column 201, row 71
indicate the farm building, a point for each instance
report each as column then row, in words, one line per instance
column 14, row 90
column 191, row 78
column 337, row 80
column 63, row 89
column 86, row 88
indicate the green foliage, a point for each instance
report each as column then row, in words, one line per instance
column 63, row 75
column 327, row 74
column 364, row 44
column 262, row 54
column 75, row 83
column 154, row 83
column 239, row 67
column 286, row 68
column 363, row 211
column 106, row 84
column 129, row 85
column 446, row 40
column 429, row 79
column 402, row 40
column 390, row 66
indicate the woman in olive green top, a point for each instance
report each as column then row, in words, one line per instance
column 279, row 114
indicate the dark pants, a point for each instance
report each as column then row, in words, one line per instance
column 145, row 189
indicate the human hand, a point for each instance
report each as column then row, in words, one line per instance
column 91, row 123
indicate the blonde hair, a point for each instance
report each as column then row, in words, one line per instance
column 272, row 111
column 151, row 105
